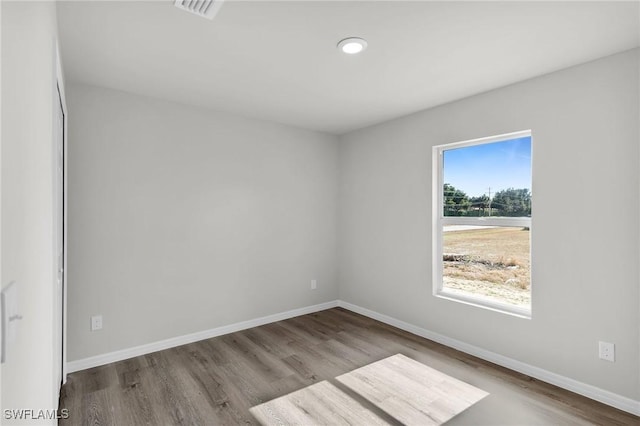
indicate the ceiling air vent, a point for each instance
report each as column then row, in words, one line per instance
column 205, row 8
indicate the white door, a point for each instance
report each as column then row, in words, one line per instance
column 58, row 238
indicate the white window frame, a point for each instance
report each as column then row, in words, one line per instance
column 439, row 221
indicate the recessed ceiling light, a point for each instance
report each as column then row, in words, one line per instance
column 352, row 45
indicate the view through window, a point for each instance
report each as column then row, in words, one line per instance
column 483, row 223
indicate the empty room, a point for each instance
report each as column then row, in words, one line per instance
column 320, row 212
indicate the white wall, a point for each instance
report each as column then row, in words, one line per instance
column 585, row 220
column 183, row 219
column 28, row 75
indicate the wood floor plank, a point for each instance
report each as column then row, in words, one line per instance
column 322, row 360
column 321, row 403
column 255, row 358
column 249, row 386
column 166, row 393
column 136, row 402
column 210, row 388
column 263, row 339
column 412, row 392
column 305, row 330
column 97, row 409
column 99, row 378
column 301, row 368
column 219, row 380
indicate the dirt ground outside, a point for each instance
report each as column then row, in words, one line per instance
column 492, row 263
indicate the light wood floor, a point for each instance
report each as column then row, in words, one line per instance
column 217, row 381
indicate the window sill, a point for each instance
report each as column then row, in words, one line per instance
column 479, row 302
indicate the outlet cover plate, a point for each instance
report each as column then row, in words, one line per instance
column 96, row 322
column 607, row 351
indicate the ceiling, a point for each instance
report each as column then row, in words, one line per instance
column 278, row 61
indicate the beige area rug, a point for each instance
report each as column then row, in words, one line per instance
column 405, row 390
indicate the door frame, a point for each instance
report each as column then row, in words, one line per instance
column 59, row 96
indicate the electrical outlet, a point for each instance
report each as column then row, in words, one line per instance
column 607, row 351
column 96, row 322
column 314, row 284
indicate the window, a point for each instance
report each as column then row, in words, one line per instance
column 482, row 222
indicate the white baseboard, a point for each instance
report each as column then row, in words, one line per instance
column 606, row 397
column 98, row 360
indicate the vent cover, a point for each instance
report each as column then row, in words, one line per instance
column 205, row 8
